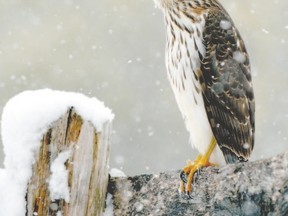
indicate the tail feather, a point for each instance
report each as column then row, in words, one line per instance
column 231, row 157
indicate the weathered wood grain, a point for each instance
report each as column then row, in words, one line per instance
column 87, row 167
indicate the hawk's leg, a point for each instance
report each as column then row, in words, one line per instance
column 192, row 167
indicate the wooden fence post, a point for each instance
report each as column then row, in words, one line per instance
column 86, row 164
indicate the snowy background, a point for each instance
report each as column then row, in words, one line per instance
column 114, row 50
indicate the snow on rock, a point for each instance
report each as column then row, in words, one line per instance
column 26, row 117
column 117, row 173
column 109, row 206
column 58, row 183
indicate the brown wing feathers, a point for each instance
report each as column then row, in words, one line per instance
column 228, row 93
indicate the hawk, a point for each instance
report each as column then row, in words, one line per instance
column 209, row 71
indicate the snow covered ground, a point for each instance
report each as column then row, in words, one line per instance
column 26, row 117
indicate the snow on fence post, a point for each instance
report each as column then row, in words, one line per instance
column 56, row 147
column 83, row 152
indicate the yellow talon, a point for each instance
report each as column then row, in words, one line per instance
column 193, row 166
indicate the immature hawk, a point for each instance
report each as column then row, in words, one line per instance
column 208, row 68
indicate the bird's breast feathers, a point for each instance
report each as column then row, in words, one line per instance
column 183, row 52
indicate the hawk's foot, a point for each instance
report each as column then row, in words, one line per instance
column 189, row 170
